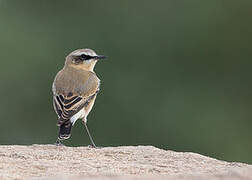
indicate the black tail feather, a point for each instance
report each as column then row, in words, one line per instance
column 65, row 131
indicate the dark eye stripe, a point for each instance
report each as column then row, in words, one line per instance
column 86, row 57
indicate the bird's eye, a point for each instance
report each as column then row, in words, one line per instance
column 84, row 57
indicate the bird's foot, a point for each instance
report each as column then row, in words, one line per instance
column 95, row 147
column 58, row 143
column 92, row 146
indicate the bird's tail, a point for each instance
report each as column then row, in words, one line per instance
column 65, row 131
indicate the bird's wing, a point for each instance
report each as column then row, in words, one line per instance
column 67, row 106
column 70, row 97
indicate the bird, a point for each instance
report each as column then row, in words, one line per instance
column 75, row 88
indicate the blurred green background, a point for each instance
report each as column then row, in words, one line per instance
column 178, row 74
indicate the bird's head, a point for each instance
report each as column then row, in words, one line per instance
column 83, row 59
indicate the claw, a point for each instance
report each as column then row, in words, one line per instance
column 91, row 146
column 58, row 143
column 95, row 147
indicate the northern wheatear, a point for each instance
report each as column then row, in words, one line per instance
column 75, row 88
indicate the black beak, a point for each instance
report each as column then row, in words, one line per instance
column 99, row 57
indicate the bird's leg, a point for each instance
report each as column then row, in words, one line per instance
column 58, row 142
column 89, row 135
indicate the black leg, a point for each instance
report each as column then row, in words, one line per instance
column 89, row 135
column 58, row 142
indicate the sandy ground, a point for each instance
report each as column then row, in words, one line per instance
column 113, row 163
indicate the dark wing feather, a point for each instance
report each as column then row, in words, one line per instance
column 67, row 106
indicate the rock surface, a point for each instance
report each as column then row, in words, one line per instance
column 113, row 163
